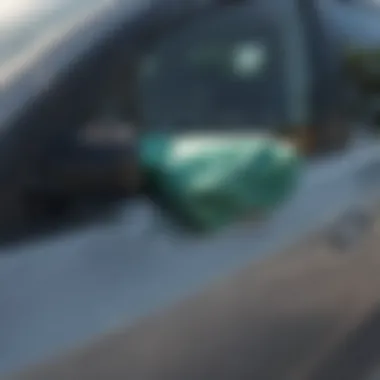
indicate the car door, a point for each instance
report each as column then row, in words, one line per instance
column 101, row 80
column 63, row 290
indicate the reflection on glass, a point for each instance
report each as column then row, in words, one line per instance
column 207, row 76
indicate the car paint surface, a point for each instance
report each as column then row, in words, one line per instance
column 63, row 291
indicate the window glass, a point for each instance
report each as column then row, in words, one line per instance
column 220, row 71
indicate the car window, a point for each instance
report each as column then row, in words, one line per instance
column 219, row 71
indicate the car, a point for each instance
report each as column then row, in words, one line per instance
column 81, row 82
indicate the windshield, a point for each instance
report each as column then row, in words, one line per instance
column 221, row 71
column 24, row 23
